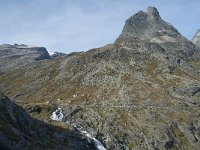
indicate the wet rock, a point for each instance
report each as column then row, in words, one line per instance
column 35, row 108
column 169, row 145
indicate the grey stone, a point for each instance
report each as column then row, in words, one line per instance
column 196, row 38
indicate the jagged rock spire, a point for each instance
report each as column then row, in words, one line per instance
column 147, row 25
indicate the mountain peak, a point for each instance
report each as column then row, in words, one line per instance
column 147, row 25
column 153, row 13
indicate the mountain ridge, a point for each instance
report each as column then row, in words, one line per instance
column 16, row 56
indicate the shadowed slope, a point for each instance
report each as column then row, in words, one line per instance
column 19, row 131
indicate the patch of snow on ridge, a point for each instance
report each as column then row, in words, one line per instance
column 57, row 115
column 51, row 52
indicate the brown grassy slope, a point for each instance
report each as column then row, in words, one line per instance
column 127, row 95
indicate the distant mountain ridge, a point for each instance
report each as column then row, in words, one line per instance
column 16, row 56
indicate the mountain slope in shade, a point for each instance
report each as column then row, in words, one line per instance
column 141, row 92
column 19, row 131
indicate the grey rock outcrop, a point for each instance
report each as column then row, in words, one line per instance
column 196, row 38
column 148, row 25
column 15, row 56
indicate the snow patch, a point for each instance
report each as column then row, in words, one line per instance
column 51, row 52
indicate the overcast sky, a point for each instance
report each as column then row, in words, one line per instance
column 79, row 25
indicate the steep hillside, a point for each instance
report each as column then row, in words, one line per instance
column 141, row 92
column 19, row 131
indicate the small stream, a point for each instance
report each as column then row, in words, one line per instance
column 57, row 115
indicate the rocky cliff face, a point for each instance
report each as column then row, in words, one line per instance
column 16, row 56
column 19, row 131
column 142, row 92
column 148, row 25
column 196, row 38
column 150, row 28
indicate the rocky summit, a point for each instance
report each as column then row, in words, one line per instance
column 139, row 93
column 148, row 25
